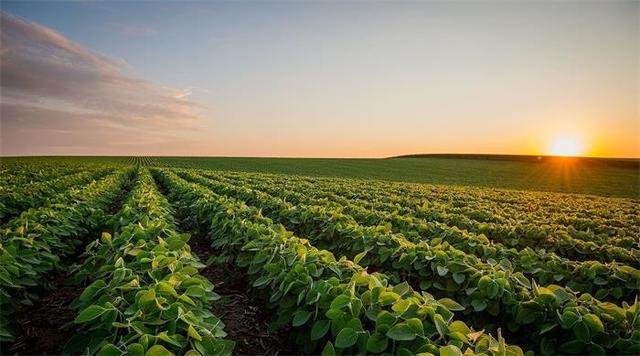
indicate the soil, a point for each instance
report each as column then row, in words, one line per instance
column 246, row 320
column 41, row 329
column 117, row 202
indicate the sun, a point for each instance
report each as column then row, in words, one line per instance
column 566, row 146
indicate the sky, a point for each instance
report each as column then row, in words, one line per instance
column 338, row 79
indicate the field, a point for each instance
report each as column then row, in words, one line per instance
column 604, row 177
column 288, row 256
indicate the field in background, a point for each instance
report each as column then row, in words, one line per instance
column 605, row 177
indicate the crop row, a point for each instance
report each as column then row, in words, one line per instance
column 32, row 244
column 15, row 201
column 502, row 205
column 26, row 171
column 332, row 305
column 607, row 281
column 146, row 296
column 142, row 161
column 573, row 226
column 549, row 316
column 22, row 175
column 589, row 218
column 536, row 224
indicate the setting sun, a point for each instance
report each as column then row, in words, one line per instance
column 566, row 146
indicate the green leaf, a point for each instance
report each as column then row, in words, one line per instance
column 594, row 323
column 581, row 330
column 89, row 313
column 192, row 332
column 109, row 350
column 166, row 288
column 92, row 289
column 377, row 343
column 613, row 310
column 451, row 304
column 300, row 317
column 158, row 350
column 175, row 243
column 493, row 289
column 401, row 332
column 185, row 298
column 173, row 340
column 328, row 350
column 388, row 297
column 569, row 318
column 479, row 305
column 384, row 318
column 441, row 325
column 513, row 350
column 347, row 337
column 522, row 280
column 416, row 325
column 320, row 329
column 450, row 350
column 402, row 288
column 135, row 349
column 264, row 280
column 459, row 326
column 458, row 278
column 147, row 298
column 484, row 282
column 340, row 302
column 546, row 296
column 211, row 346
column 359, row 256
column 195, row 291
column 401, row 305
column 547, row 328
column 334, row 313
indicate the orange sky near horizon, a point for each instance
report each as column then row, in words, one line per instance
column 320, row 80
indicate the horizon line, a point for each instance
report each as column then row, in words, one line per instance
column 407, row 155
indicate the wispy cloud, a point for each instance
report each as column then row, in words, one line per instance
column 49, row 81
column 133, row 29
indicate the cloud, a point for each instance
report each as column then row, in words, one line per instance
column 48, row 80
column 33, row 129
column 133, row 30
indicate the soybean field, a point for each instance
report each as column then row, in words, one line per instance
column 157, row 256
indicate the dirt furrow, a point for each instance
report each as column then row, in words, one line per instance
column 246, row 319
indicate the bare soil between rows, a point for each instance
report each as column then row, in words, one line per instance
column 246, row 319
column 42, row 328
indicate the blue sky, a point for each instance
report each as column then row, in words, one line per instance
column 343, row 79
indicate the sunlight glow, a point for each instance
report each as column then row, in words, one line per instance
column 566, row 146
